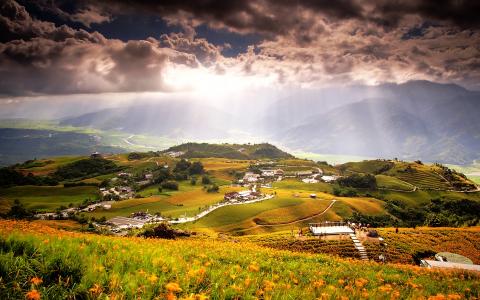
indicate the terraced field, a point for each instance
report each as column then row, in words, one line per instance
column 392, row 183
column 424, row 179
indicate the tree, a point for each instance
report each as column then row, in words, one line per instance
column 359, row 181
column 171, row 185
column 182, row 166
column 18, row 211
column 213, row 188
column 196, row 168
column 193, row 181
column 206, row 180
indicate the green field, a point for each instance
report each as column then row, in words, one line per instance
column 293, row 184
column 48, row 198
column 422, row 176
column 290, row 206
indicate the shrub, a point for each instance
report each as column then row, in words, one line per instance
column 86, row 167
column 164, row 231
column 213, row 188
column 206, row 179
column 171, row 185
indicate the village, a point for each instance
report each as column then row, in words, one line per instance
column 127, row 184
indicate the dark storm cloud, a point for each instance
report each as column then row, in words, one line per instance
column 308, row 41
column 272, row 17
column 42, row 58
column 269, row 17
column 463, row 13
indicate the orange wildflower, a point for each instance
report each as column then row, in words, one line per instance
column 36, row 280
column 96, row 289
column 268, row 285
column 437, row 297
column 318, row 283
column 33, row 295
column 253, row 267
column 173, row 287
column 385, row 288
column 153, row 278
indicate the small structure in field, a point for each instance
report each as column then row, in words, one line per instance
column 329, row 178
column 96, row 155
column 448, row 265
column 330, row 228
column 303, row 173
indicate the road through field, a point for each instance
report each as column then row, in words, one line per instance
column 214, row 207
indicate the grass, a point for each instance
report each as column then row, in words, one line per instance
column 389, row 182
column 422, row 176
column 50, row 165
column 48, row 198
column 289, row 205
column 238, row 214
column 475, row 178
column 54, row 264
column 299, row 185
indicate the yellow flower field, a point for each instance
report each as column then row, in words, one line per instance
column 40, row 262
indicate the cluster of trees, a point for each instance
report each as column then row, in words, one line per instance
column 439, row 212
column 11, row 177
column 457, row 179
column 183, row 170
column 86, row 168
column 164, row 231
column 366, row 181
column 188, row 168
column 374, row 221
column 18, row 211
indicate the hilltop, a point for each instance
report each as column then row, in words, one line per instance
column 233, row 151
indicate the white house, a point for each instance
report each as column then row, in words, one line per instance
column 327, row 178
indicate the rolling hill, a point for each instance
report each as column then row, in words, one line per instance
column 233, row 151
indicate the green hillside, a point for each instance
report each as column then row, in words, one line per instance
column 233, row 151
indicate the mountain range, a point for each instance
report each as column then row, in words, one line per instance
column 414, row 120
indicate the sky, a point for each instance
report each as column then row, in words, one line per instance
column 70, row 48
